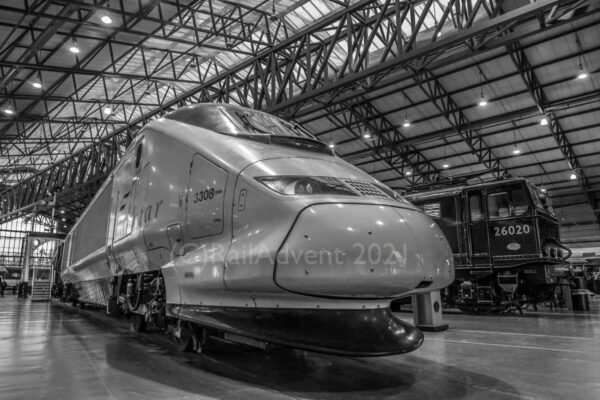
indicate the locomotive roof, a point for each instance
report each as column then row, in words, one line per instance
column 453, row 190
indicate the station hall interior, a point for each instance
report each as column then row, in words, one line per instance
column 311, row 199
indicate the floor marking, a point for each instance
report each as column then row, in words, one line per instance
column 528, row 334
column 509, row 345
column 86, row 352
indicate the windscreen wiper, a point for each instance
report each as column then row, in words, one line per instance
column 248, row 125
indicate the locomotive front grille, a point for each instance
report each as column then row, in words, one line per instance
column 366, row 189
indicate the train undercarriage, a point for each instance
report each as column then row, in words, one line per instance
column 505, row 290
column 141, row 299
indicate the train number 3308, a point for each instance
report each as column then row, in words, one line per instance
column 204, row 195
column 512, row 230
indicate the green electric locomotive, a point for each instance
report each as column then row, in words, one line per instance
column 505, row 240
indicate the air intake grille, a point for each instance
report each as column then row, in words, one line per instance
column 366, row 189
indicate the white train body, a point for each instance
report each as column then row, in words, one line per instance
column 243, row 245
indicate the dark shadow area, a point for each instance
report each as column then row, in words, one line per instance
column 153, row 357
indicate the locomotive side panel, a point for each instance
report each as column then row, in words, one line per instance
column 199, row 271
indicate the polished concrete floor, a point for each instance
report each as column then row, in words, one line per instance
column 55, row 351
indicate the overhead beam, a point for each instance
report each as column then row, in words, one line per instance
column 437, row 95
column 528, row 75
column 295, row 71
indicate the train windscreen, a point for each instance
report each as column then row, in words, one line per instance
column 238, row 121
column 507, row 201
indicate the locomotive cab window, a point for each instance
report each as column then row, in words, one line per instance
column 508, row 202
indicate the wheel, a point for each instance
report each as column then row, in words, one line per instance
column 199, row 340
column 137, row 323
column 112, row 308
column 182, row 335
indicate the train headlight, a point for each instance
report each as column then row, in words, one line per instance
column 306, row 185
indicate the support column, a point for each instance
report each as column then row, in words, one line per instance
column 427, row 311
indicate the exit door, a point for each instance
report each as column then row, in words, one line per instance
column 478, row 230
column 205, row 197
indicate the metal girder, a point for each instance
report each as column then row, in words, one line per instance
column 436, row 93
column 297, row 70
column 243, row 26
column 406, row 161
column 585, row 98
column 533, row 152
column 527, row 73
column 354, row 77
column 72, row 178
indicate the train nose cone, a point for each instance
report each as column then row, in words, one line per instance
column 361, row 250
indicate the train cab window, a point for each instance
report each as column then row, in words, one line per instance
column 541, row 200
column 507, row 202
column 498, row 205
column 475, row 207
column 138, row 155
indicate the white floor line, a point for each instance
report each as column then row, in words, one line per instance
column 508, row 345
column 527, row 334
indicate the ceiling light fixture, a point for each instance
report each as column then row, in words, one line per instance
column 516, row 150
column 36, row 85
column 408, row 173
column 74, row 49
column 573, row 176
column 581, row 73
column 107, row 110
column 482, row 100
column 445, row 165
column 406, row 122
column 543, row 190
column 367, row 136
column 8, row 111
column 331, row 145
column 544, row 121
column 106, row 19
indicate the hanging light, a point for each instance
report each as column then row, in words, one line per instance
column 445, row 165
column 408, row 173
column 36, row 85
column 573, row 176
column 331, row 145
column 106, row 19
column 482, row 100
column 544, row 121
column 543, row 189
column 406, row 122
column 74, row 49
column 367, row 135
column 107, row 110
column 516, row 150
column 8, row 111
column 582, row 74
